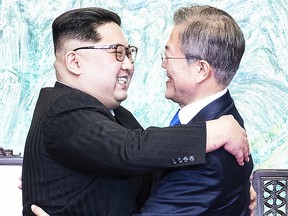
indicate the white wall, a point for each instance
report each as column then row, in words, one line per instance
column 10, row 195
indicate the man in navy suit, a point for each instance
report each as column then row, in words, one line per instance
column 201, row 57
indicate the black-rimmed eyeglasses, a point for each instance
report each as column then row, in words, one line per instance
column 120, row 51
column 164, row 57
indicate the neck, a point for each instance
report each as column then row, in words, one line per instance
column 204, row 94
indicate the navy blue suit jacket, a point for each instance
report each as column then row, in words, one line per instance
column 218, row 187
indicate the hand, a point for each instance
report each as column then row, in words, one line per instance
column 20, row 184
column 226, row 132
column 38, row 211
column 253, row 200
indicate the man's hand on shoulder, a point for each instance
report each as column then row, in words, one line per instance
column 226, row 132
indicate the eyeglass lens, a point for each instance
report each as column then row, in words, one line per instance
column 122, row 51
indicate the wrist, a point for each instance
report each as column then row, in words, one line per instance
column 214, row 136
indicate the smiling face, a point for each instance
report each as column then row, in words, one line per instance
column 182, row 77
column 96, row 71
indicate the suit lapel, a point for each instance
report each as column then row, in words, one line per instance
column 215, row 109
column 125, row 118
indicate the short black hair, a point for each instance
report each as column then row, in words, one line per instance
column 81, row 24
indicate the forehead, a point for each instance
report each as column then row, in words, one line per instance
column 111, row 33
column 173, row 43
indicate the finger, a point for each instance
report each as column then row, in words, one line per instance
column 246, row 153
column 252, row 209
column 246, row 157
column 247, row 143
column 38, row 211
column 20, row 185
column 240, row 159
column 253, row 196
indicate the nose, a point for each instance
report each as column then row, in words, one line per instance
column 127, row 65
column 163, row 60
column 164, row 63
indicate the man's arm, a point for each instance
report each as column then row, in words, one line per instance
column 97, row 144
column 89, row 140
column 128, row 120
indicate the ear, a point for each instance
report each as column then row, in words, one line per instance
column 205, row 71
column 72, row 62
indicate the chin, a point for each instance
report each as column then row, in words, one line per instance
column 168, row 95
column 122, row 98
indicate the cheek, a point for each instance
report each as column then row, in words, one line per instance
column 102, row 77
column 110, row 70
column 182, row 81
column 178, row 77
column 132, row 71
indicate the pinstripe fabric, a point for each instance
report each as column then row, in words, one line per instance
column 78, row 160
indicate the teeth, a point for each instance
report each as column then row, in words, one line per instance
column 122, row 80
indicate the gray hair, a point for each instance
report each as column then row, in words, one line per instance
column 213, row 35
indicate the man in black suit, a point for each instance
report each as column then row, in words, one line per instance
column 201, row 58
column 84, row 153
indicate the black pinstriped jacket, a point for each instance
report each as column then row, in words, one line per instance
column 81, row 160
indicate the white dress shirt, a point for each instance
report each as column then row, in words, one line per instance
column 187, row 112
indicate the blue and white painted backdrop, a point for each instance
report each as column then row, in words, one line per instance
column 260, row 87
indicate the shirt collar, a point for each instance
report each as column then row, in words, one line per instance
column 112, row 112
column 188, row 112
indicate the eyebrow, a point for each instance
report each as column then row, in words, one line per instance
column 168, row 48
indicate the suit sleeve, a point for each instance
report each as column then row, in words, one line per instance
column 89, row 141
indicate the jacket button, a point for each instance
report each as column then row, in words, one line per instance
column 173, row 161
column 191, row 158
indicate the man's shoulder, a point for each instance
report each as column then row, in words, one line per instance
column 64, row 94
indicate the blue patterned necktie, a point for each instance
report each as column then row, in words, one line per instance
column 175, row 119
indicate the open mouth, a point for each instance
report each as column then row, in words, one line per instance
column 168, row 80
column 122, row 80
